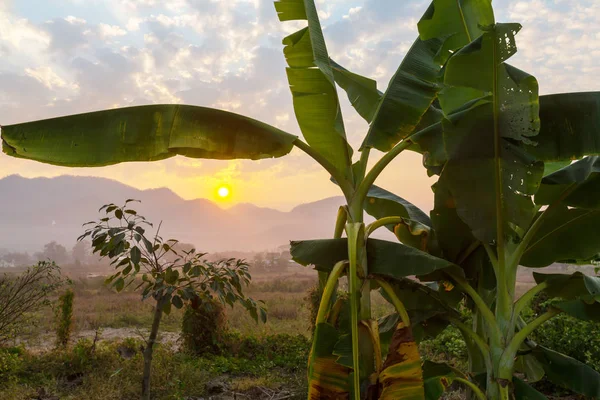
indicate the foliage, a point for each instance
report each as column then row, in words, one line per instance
column 170, row 277
column 64, row 318
column 203, row 327
column 24, row 293
column 10, row 364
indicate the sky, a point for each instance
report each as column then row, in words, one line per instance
column 62, row 57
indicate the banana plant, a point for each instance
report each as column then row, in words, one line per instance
column 482, row 129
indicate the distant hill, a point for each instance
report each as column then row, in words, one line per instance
column 36, row 211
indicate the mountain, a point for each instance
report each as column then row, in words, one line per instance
column 39, row 210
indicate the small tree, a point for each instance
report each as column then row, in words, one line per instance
column 186, row 278
column 64, row 318
column 25, row 293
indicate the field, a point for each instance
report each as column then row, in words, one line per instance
column 254, row 361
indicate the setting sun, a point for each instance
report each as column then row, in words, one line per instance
column 223, row 192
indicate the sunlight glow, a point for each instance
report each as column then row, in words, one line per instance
column 223, row 192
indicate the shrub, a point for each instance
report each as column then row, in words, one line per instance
column 24, row 293
column 64, row 318
column 10, row 363
column 203, row 327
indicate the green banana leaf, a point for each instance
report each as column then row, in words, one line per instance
column 438, row 378
column 144, row 133
column 568, row 372
column 362, row 92
column 382, row 257
column 583, row 309
column 570, row 127
column 576, row 185
column 313, row 89
column 457, row 23
column 402, row 376
column 485, row 138
column 574, row 286
column 525, row 392
column 564, row 234
column 326, row 378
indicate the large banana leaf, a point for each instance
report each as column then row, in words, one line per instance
column 576, row 185
column 402, row 376
column 568, row 372
column 144, row 133
column 525, row 392
column 457, row 23
column 390, row 259
column 488, row 174
column 326, row 378
column 570, row 127
column 574, row 286
column 564, row 234
column 311, row 80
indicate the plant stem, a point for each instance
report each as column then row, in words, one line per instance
column 485, row 311
column 382, row 222
column 507, row 360
column 527, row 298
column 354, row 232
column 365, row 185
column 328, row 291
column 472, row 386
column 478, row 340
column 344, row 184
column 148, row 351
column 364, row 160
column 396, row 301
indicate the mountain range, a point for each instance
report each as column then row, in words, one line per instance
column 39, row 210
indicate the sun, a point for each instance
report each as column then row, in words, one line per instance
column 223, row 192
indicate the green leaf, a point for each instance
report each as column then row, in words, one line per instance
column 144, row 133
column 564, row 234
column 383, row 257
column 135, row 254
column 313, row 89
column 568, row 372
column 525, row 392
column 576, row 185
column 177, row 302
column 362, row 92
column 573, row 286
column 580, row 309
column 380, row 203
column 457, row 23
column 485, row 139
column 167, row 308
column 119, row 284
column 570, row 127
column 437, row 379
column 409, row 95
column 326, row 378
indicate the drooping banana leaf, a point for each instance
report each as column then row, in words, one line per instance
column 570, row 127
column 144, row 133
column 382, row 257
column 568, row 372
column 574, row 286
column 488, row 174
column 402, row 376
column 326, row 378
column 583, row 309
column 311, row 80
column 525, row 392
column 564, row 234
column 576, row 185
column 456, row 23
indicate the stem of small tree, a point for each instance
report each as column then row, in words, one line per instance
column 158, row 312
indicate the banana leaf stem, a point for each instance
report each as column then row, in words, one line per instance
column 365, row 185
column 364, row 160
column 354, row 232
column 507, row 360
column 478, row 340
column 382, row 222
column 334, row 276
column 396, row 301
column 528, row 297
column 472, row 386
column 373, row 329
column 485, row 311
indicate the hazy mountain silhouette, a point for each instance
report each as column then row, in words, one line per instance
column 36, row 211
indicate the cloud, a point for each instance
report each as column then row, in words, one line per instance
column 228, row 54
